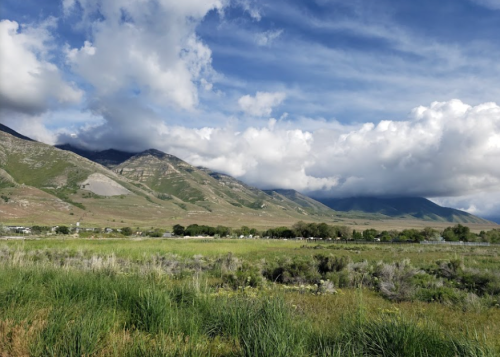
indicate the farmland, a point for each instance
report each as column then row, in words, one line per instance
column 228, row 297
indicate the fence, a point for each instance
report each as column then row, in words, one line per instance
column 483, row 244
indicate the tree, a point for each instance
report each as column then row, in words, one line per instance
column 411, row 235
column 301, row 229
column 462, row 232
column 324, row 230
column 430, row 233
column 223, row 231
column 62, row 230
column 345, row 232
column 370, row 234
column 357, row 235
column 178, row 230
column 127, row 231
column 449, row 235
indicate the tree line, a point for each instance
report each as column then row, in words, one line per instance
column 325, row 231
column 302, row 229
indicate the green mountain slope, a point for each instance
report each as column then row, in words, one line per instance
column 401, row 207
column 212, row 191
column 306, row 203
column 41, row 182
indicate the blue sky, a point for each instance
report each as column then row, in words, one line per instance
column 328, row 97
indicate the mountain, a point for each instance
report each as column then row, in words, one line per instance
column 213, row 191
column 109, row 158
column 8, row 130
column 307, row 203
column 44, row 184
column 47, row 185
column 401, row 207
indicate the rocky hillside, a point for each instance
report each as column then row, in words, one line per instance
column 172, row 177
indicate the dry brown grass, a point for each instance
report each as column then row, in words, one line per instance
column 15, row 338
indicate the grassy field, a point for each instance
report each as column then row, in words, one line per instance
column 169, row 297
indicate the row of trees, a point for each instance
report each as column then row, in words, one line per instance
column 325, row 231
column 197, row 230
column 307, row 230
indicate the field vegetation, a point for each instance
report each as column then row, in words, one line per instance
column 232, row 297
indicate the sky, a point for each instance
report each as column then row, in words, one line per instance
column 331, row 98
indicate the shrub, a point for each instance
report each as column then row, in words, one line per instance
column 293, row 271
column 395, row 281
column 244, row 275
column 339, row 279
column 327, row 264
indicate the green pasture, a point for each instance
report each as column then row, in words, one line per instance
column 258, row 249
column 223, row 297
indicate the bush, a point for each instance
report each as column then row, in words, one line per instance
column 395, row 281
column 442, row 294
column 327, row 264
column 245, row 275
column 293, row 271
column 339, row 279
column 127, row 231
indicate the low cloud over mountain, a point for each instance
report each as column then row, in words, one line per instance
column 445, row 149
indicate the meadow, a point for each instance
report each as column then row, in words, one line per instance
column 224, row 297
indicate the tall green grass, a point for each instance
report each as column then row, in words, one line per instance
column 70, row 303
column 84, row 313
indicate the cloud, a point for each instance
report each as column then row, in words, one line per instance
column 30, row 83
column 250, row 8
column 262, row 104
column 446, row 149
column 486, row 204
column 268, row 37
column 148, row 47
column 490, row 4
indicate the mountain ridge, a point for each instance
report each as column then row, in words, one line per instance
column 417, row 207
column 173, row 184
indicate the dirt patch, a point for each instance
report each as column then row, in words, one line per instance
column 104, row 186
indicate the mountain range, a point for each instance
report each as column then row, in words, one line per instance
column 41, row 183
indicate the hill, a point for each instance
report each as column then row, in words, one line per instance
column 401, row 207
column 46, row 185
column 170, row 176
column 12, row 132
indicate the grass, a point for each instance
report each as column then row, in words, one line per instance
column 79, row 297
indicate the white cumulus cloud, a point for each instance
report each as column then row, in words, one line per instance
column 29, row 82
column 145, row 46
column 446, row 149
column 261, row 104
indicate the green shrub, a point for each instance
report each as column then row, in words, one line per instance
column 293, row 271
column 441, row 294
column 327, row 264
column 245, row 275
column 339, row 279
